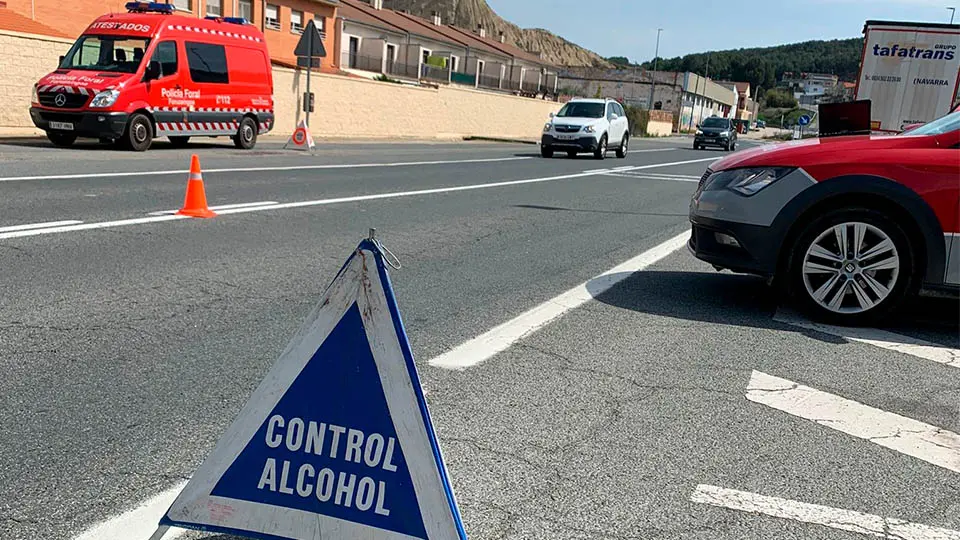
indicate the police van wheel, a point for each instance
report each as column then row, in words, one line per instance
column 139, row 134
column 246, row 137
column 179, row 142
column 62, row 140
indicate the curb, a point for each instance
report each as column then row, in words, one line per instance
column 500, row 139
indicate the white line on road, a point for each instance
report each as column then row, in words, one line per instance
column 500, row 338
column 31, row 226
column 626, row 174
column 934, row 445
column 260, row 169
column 322, row 202
column 878, row 338
column 835, row 518
column 221, row 207
column 139, row 523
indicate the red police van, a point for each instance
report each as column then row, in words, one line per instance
column 150, row 73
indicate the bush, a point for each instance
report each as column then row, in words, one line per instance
column 638, row 119
column 779, row 98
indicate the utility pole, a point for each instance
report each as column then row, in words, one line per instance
column 656, row 60
column 953, row 11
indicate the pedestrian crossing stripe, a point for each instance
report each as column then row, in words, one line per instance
column 337, row 441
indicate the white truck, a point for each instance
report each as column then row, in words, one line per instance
column 909, row 72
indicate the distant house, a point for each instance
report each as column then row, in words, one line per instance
column 746, row 107
column 376, row 40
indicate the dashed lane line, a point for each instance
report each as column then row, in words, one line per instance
column 932, row 444
column 947, row 356
column 834, row 518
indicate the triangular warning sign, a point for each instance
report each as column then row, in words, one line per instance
column 337, row 441
column 301, row 139
column 311, row 43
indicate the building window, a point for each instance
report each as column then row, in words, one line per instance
column 185, row 5
column 273, row 17
column 214, row 8
column 296, row 21
column 208, row 63
column 454, row 63
column 426, row 55
column 246, row 9
column 321, row 23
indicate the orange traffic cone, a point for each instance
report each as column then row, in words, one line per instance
column 195, row 204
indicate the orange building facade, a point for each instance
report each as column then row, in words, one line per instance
column 281, row 21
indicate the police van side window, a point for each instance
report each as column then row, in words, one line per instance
column 166, row 55
column 208, row 63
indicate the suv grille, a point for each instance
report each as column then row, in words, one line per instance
column 71, row 101
column 566, row 129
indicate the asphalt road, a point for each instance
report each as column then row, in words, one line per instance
column 126, row 349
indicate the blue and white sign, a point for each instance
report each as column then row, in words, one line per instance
column 804, row 120
column 337, row 441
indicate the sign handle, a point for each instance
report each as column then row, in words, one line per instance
column 161, row 530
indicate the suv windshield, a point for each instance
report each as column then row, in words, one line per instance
column 582, row 110
column 945, row 124
column 715, row 123
column 106, row 53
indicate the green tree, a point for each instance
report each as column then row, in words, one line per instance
column 620, row 61
column 779, row 98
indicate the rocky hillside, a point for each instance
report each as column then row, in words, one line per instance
column 469, row 13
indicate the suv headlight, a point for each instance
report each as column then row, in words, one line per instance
column 747, row 181
column 34, row 97
column 547, row 127
column 699, row 132
column 589, row 129
column 105, row 98
column 724, row 133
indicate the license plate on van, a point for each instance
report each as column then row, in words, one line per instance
column 66, row 126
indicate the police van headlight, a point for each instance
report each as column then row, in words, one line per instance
column 105, row 98
column 747, row 181
column 34, row 97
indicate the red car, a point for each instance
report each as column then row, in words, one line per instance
column 850, row 226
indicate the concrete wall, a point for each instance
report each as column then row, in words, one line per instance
column 35, row 57
column 351, row 107
column 660, row 124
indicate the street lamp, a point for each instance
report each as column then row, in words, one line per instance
column 953, row 11
column 656, row 60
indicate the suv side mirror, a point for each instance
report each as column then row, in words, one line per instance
column 551, row 115
column 614, row 116
column 153, row 71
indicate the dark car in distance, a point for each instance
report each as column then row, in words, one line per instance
column 716, row 131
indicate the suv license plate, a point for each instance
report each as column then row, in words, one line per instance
column 66, row 126
column 566, row 137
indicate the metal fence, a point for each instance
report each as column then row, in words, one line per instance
column 399, row 69
column 489, row 82
column 463, row 78
column 529, row 86
column 511, row 85
column 365, row 63
column 434, row 73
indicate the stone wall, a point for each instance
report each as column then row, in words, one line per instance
column 26, row 59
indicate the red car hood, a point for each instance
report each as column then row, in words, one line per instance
column 76, row 81
column 813, row 151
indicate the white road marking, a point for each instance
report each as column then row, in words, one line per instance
column 139, row 523
column 500, row 338
column 626, row 174
column 221, row 207
column 322, row 202
column 879, row 338
column 934, row 445
column 31, row 226
column 835, row 518
column 697, row 178
column 646, row 150
column 259, row 169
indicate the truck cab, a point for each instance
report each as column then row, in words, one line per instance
column 130, row 78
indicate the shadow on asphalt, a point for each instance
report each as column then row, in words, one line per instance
column 739, row 300
column 92, row 144
column 565, row 209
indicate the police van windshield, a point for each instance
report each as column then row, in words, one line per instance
column 106, row 53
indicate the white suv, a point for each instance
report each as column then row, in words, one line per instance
column 587, row 125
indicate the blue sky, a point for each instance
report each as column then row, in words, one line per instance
column 629, row 27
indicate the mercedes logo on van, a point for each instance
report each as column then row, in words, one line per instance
column 60, row 100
